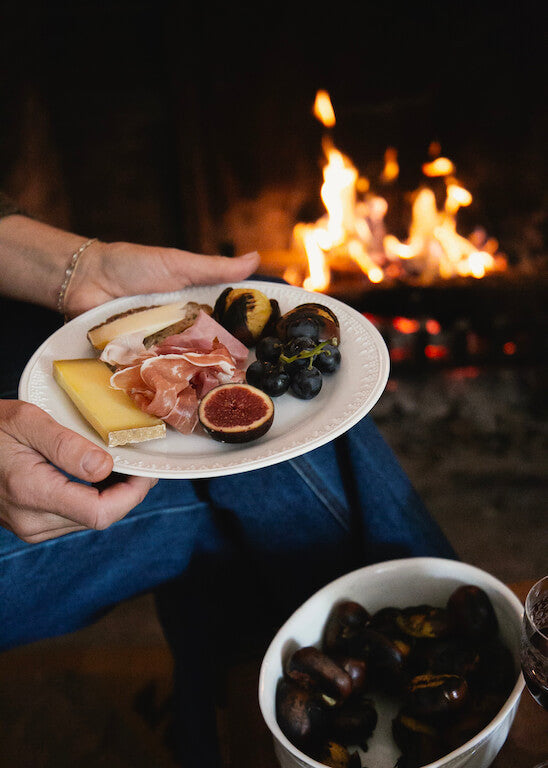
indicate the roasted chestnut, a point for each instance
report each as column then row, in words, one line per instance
column 419, row 742
column 356, row 669
column 496, row 672
column 471, row 613
column 448, row 666
column 246, row 313
column 431, row 695
column 315, row 671
column 336, row 755
column 465, row 724
column 448, row 655
column 355, row 722
column 385, row 621
column 344, row 626
column 424, row 621
column 386, row 660
column 312, row 320
column 300, row 715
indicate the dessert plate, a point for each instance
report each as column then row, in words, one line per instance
column 299, row 426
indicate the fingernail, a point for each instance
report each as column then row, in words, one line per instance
column 93, row 461
column 251, row 255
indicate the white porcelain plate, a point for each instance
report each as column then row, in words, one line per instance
column 299, row 426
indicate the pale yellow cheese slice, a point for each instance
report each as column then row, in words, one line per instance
column 146, row 320
column 111, row 412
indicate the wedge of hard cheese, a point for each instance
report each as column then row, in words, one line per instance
column 145, row 320
column 110, row 412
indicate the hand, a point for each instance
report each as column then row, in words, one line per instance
column 37, row 501
column 109, row 270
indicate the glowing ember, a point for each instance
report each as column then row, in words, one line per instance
column 353, row 226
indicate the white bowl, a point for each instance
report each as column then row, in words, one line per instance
column 399, row 583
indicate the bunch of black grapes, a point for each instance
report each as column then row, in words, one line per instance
column 296, row 365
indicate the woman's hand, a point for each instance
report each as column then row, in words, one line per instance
column 37, row 501
column 106, row 271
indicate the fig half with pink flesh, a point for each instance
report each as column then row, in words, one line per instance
column 236, row 413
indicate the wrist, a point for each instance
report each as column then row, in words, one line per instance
column 34, row 257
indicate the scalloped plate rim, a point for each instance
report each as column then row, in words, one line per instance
column 371, row 365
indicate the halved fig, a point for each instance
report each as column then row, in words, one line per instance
column 236, row 413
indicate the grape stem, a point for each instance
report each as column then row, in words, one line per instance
column 306, row 353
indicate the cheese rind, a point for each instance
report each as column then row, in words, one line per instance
column 146, row 319
column 111, row 412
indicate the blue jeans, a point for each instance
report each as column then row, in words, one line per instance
column 228, row 559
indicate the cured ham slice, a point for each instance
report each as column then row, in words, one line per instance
column 170, row 385
column 125, row 350
column 200, row 336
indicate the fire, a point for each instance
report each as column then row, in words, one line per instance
column 441, row 166
column 391, row 169
column 323, row 109
column 353, row 225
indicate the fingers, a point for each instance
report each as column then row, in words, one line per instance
column 208, row 270
column 45, row 504
column 71, row 502
column 37, row 501
column 64, row 448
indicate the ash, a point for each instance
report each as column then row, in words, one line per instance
column 474, row 443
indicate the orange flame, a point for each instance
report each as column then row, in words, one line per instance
column 441, row 166
column 391, row 168
column 353, row 225
column 323, row 109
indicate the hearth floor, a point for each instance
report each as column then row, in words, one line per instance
column 476, row 450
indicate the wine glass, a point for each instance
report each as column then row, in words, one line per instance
column 534, row 645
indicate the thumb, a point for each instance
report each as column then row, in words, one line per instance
column 208, row 270
column 66, row 449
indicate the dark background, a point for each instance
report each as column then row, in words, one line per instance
column 146, row 121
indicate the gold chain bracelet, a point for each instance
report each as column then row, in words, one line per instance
column 68, row 274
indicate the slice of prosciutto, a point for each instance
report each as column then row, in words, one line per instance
column 171, row 385
column 126, row 349
column 201, row 335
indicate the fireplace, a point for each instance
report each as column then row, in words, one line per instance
column 440, row 296
column 434, row 134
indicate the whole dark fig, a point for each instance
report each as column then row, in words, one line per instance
column 315, row 671
column 312, row 320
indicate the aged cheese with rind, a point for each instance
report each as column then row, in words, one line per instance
column 111, row 412
column 149, row 320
